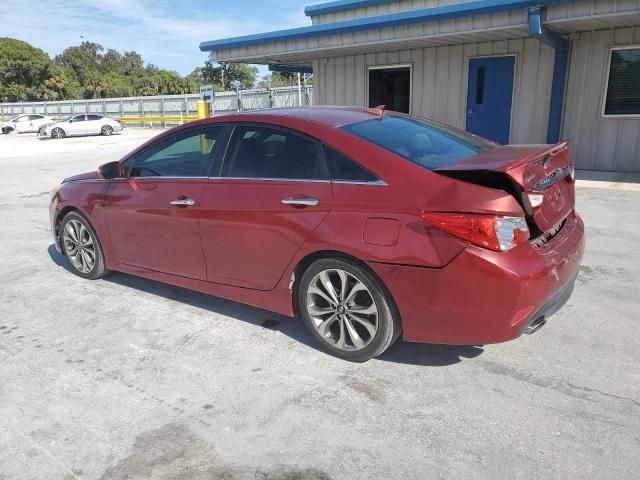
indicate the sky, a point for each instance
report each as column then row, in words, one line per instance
column 164, row 32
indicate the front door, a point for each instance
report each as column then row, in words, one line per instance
column 152, row 215
column 272, row 193
column 490, row 97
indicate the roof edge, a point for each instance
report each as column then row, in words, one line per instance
column 425, row 15
column 341, row 5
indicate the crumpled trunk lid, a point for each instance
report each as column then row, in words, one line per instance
column 527, row 172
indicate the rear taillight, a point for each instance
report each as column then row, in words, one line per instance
column 494, row 232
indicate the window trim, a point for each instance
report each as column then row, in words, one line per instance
column 316, row 142
column 390, row 67
column 213, row 156
column 606, row 84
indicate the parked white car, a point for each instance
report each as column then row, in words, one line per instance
column 24, row 123
column 79, row 125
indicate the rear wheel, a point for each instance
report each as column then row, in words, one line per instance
column 347, row 309
column 81, row 246
column 58, row 133
column 106, row 130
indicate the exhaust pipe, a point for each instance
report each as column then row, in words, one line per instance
column 535, row 325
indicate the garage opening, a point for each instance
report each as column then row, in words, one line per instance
column 390, row 86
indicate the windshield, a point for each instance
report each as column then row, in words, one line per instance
column 11, row 119
column 428, row 144
column 67, row 118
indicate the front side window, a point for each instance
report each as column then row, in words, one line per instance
column 187, row 154
column 428, row 144
column 269, row 153
column 623, row 89
column 35, row 117
column 24, row 118
column 78, row 118
column 93, row 117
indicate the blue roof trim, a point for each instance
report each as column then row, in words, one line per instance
column 341, row 5
column 479, row 7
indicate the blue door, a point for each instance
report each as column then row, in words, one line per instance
column 490, row 97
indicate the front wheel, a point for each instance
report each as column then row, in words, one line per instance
column 106, row 131
column 81, row 246
column 347, row 309
column 7, row 130
column 58, row 133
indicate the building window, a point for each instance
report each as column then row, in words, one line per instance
column 623, row 85
column 390, row 86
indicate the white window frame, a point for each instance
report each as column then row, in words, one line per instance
column 606, row 83
column 389, row 67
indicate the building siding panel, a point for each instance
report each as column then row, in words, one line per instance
column 599, row 143
column 439, row 82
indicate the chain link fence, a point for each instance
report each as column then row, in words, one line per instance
column 166, row 105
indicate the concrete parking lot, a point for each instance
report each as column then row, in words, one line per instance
column 128, row 378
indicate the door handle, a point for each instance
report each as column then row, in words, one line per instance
column 301, row 202
column 183, row 202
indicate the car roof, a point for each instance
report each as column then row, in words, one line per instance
column 333, row 116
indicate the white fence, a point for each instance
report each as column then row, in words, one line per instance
column 166, row 105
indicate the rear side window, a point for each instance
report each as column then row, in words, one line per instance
column 93, row 117
column 188, row 154
column 268, row 153
column 344, row 169
column 425, row 143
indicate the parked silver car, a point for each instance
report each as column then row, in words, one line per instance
column 28, row 122
column 79, row 125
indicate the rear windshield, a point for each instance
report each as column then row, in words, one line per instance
column 428, row 144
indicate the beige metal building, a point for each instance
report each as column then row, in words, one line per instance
column 517, row 71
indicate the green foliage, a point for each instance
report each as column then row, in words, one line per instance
column 88, row 71
column 225, row 76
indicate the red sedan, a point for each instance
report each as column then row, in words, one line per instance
column 368, row 224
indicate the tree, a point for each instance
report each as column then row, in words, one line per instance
column 278, row 79
column 226, row 76
column 83, row 60
column 23, row 69
column 94, row 86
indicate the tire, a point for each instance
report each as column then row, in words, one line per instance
column 106, row 131
column 362, row 324
column 7, row 130
column 58, row 133
column 89, row 262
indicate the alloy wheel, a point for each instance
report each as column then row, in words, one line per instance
column 107, row 130
column 57, row 133
column 79, row 246
column 342, row 309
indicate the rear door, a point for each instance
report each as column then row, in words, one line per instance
column 272, row 192
column 94, row 124
column 490, row 97
column 152, row 215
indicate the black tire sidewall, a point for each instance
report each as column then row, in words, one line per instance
column 98, row 270
column 388, row 323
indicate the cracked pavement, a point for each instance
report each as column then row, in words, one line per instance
column 129, row 378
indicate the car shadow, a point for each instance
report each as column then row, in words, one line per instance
column 401, row 352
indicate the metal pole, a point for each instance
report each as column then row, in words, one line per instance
column 299, row 91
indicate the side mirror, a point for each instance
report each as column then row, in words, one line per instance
column 111, row 170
